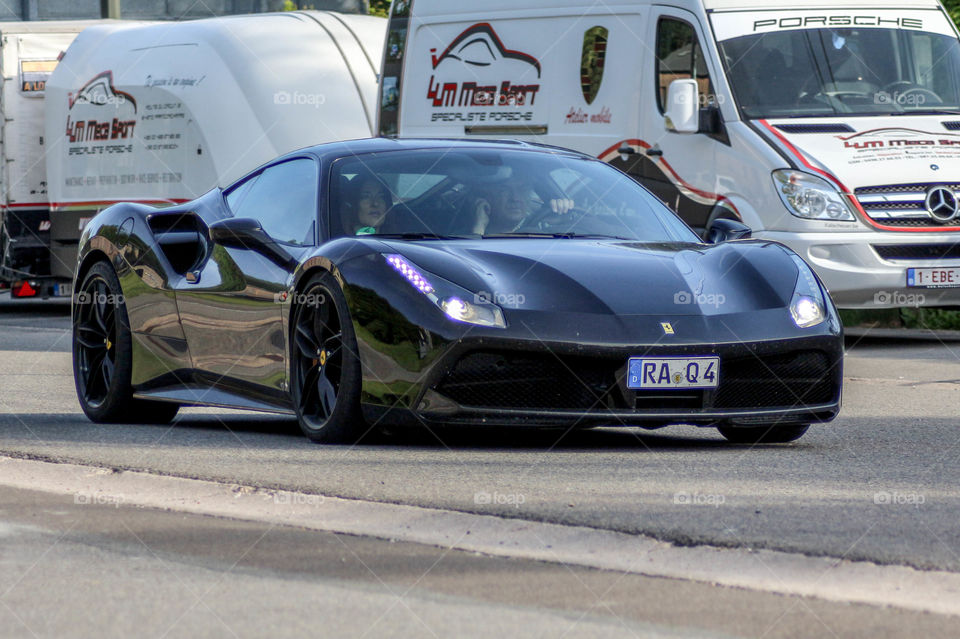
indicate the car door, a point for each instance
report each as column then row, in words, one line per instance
column 231, row 312
column 678, row 168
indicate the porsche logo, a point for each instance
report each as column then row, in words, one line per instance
column 592, row 62
column 667, row 328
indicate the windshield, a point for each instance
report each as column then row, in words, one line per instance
column 843, row 71
column 483, row 193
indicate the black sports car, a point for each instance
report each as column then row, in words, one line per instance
column 430, row 281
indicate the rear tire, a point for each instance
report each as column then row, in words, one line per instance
column 103, row 354
column 325, row 364
column 763, row 434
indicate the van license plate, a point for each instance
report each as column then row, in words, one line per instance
column 62, row 290
column 673, row 372
column 947, row 277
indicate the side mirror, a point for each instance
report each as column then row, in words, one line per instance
column 247, row 233
column 683, row 107
column 723, row 230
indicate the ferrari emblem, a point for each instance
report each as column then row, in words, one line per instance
column 667, row 328
column 323, row 358
column 592, row 62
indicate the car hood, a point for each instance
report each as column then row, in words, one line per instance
column 611, row 277
column 877, row 151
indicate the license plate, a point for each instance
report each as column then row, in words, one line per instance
column 948, row 277
column 62, row 290
column 673, row 372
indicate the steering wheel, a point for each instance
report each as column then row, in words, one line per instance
column 902, row 88
column 546, row 216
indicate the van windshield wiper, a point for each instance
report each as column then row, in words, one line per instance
column 927, row 112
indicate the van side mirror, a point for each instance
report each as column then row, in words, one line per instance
column 683, row 107
column 723, row 230
column 247, row 233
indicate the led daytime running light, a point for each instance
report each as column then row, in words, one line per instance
column 411, row 274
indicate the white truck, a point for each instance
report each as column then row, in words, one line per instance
column 832, row 127
column 160, row 113
column 28, row 55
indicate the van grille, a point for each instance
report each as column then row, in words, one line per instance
column 902, row 205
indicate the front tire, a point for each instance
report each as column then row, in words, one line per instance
column 325, row 365
column 764, row 434
column 103, row 354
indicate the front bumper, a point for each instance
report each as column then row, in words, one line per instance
column 510, row 382
column 856, row 275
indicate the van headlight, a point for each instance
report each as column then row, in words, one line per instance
column 807, row 306
column 448, row 297
column 811, row 197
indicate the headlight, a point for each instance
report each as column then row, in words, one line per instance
column 807, row 306
column 811, row 197
column 448, row 297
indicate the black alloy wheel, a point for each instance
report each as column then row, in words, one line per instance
column 102, row 354
column 325, row 365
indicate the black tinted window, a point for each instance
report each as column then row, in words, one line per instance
column 283, row 198
column 680, row 57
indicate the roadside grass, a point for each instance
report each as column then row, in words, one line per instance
column 937, row 319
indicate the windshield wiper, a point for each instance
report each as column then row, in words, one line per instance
column 926, row 112
column 556, row 236
column 421, row 236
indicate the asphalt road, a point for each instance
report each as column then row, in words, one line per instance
column 882, row 483
column 97, row 570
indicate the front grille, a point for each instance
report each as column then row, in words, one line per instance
column 539, row 381
column 543, row 381
column 918, row 251
column 901, row 205
column 793, row 379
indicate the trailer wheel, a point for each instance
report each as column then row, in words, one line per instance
column 103, row 354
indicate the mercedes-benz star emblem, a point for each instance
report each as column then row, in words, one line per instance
column 942, row 203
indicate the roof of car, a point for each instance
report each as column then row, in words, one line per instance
column 375, row 145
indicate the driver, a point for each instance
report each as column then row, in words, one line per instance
column 504, row 209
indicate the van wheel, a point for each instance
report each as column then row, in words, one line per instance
column 103, row 354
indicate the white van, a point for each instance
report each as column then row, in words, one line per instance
column 160, row 113
column 29, row 52
column 833, row 127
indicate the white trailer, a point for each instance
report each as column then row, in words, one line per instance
column 161, row 113
column 28, row 55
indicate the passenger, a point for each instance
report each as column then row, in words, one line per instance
column 365, row 206
column 505, row 208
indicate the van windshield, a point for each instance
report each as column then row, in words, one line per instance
column 843, row 71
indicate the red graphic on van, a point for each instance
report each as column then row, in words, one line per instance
column 480, row 49
column 480, row 46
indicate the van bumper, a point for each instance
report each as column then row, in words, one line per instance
column 856, row 275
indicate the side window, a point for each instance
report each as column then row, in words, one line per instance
column 680, row 57
column 284, row 200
